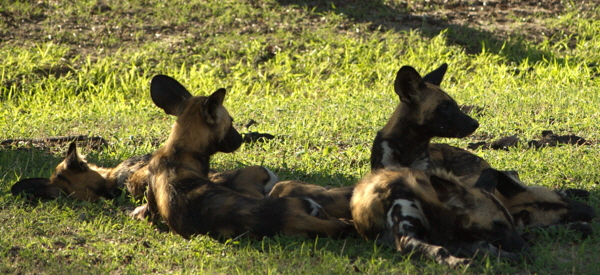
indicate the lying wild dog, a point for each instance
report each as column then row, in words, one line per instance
column 432, row 214
column 76, row 178
column 335, row 201
column 537, row 205
column 181, row 193
column 426, row 111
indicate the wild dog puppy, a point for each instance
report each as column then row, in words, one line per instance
column 335, row 201
column 424, row 112
column 76, row 178
column 429, row 212
column 181, row 193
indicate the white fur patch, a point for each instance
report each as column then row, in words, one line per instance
column 410, row 209
column 314, row 206
column 137, row 213
column 387, row 157
column 272, row 181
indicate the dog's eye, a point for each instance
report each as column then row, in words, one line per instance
column 444, row 106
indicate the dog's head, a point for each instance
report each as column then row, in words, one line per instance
column 202, row 121
column 537, row 205
column 425, row 108
column 73, row 177
column 480, row 216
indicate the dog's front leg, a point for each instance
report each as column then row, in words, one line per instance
column 407, row 244
column 473, row 249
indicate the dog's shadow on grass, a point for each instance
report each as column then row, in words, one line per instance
column 384, row 17
column 329, row 180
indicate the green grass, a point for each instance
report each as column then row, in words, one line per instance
column 318, row 77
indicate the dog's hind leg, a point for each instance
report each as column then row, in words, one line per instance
column 253, row 181
column 306, row 218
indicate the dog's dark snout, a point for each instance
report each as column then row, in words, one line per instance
column 474, row 124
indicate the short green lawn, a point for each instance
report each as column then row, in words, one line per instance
column 318, row 78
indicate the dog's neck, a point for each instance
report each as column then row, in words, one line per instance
column 400, row 146
column 183, row 152
column 107, row 187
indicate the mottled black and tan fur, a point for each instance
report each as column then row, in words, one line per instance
column 425, row 111
column 335, row 201
column 432, row 214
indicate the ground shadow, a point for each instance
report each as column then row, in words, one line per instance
column 24, row 162
column 474, row 40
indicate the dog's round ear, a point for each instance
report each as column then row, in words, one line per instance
column 436, row 76
column 508, row 186
column 408, row 84
column 487, row 180
column 448, row 192
column 74, row 161
column 168, row 94
column 212, row 104
column 36, row 187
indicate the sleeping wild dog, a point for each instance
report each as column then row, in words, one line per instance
column 426, row 111
column 431, row 214
column 181, row 193
column 76, row 178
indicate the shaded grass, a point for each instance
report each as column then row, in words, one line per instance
column 318, row 79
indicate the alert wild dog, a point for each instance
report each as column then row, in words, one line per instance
column 182, row 195
column 335, row 201
column 426, row 111
column 432, row 214
column 76, row 178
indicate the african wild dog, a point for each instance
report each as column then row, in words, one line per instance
column 76, row 178
column 424, row 112
column 181, row 193
column 537, row 205
column 430, row 213
column 335, row 201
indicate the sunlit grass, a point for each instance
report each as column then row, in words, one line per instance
column 320, row 81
